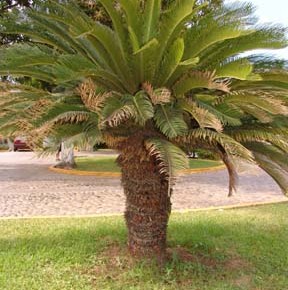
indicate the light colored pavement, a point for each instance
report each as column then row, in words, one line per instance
column 29, row 188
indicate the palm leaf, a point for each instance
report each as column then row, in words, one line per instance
column 204, row 118
column 231, row 146
column 170, row 157
column 197, row 79
column 116, row 111
column 273, row 162
column 170, row 121
column 143, row 108
column 170, row 61
column 158, row 96
column 237, row 69
column 151, row 19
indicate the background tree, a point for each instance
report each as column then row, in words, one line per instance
column 147, row 84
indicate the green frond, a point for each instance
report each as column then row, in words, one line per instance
column 150, row 44
column 273, row 162
column 116, row 18
column 62, row 106
column 117, row 110
column 276, row 80
column 151, row 19
column 204, row 118
column 170, row 157
column 144, row 108
column 170, row 61
column 190, row 62
column 224, row 113
column 237, row 69
column 230, row 145
column 197, row 79
column 133, row 17
column 134, row 40
column 170, row 121
column 272, row 37
column 276, row 137
column 216, row 27
column 71, row 117
column 172, row 22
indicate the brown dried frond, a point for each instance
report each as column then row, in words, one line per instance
column 124, row 113
column 158, row 96
column 204, row 118
column 24, row 126
column 113, row 141
column 147, row 87
column 92, row 100
column 213, row 83
column 70, row 117
column 37, row 109
column 202, row 79
column 232, row 172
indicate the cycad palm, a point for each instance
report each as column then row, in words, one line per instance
column 151, row 85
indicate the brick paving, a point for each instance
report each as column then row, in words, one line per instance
column 28, row 188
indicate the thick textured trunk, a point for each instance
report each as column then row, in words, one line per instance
column 148, row 203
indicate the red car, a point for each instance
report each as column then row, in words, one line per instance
column 20, row 144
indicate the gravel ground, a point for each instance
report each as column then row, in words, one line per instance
column 28, row 188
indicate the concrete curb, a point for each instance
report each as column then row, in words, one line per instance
column 118, row 174
column 85, row 173
column 225, row 207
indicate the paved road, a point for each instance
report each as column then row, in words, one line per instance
column 28, row 188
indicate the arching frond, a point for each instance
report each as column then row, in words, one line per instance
column 144, row 108
column 258, row 105
column 151, row 19
column 224, row 23
column 172, row 21
column 197, row 79
column 93, row 100
column 224, row 113
column 170, row 121
column 231, row 146
column 204, row 118
column 170, row 61
column 158, row 96
column 71, row 117
column 276, row 137
column 169, row 156
column 237, row 69
column 117, row 111
column 259, row 38
column 273, row 162
column 232, row 172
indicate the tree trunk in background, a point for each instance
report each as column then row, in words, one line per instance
column 148, row 203
column 67, row 156
column 10, row 144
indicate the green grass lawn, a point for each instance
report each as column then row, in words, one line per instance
column 108, row 164
column 215, row 250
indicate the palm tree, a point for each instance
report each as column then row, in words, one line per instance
column 150, row 85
